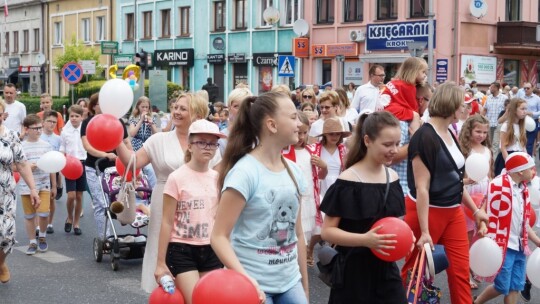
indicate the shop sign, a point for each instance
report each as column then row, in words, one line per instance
column 264, row 59
column 352, row 72
column 344, row 49
column 318, row 50
column 177, row 57
column 442, row 70
column 123, row 60
column 237, row 57
column 29, row 69
column 218, row 43
column 301, row 47
column 14, row 62
column 216, row 58
column 483, row 69
column 395, row 36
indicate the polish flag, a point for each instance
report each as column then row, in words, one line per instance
column 6, row 13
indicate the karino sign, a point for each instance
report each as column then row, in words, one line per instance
column 178, row 57
column 395, row 36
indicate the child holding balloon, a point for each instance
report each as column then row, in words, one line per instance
column 190, row 199
column 513, row 137
column 34, row 148
column 355, row 202
column 509, row 210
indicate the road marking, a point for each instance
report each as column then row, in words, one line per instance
column 49, row 256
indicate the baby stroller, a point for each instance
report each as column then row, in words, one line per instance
column 125, row 246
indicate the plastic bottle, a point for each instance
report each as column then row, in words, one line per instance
column 167, row 283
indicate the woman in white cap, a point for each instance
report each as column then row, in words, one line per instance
column 190, row 199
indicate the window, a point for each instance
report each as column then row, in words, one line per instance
column 100, row 28
column 419, row 8
column 26, row 41
column 511, row 72
column 36, row 40
column 264, row 5
column 289, row 12
column 147, row 25
column 15, row 42
column 166, row 23
column 6, row 41
column 58, row 33
column 386, row 9
column 219, row 16
column 184, row 21
column 129, row 27
column 85, row 29
column 325, row 11
column 353, row 10
column 513, row 10
column 240, row 14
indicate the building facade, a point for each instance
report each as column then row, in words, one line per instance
column 480, row 40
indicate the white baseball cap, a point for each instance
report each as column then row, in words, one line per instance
column 203, row 126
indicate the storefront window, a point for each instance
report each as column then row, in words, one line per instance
column 266, row 79
column 240, row 73
column 511, row 72
column 326, row 71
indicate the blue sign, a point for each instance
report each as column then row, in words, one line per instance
column 72, row 72
column 286, row 66
column 394, row 36
column 442, row 70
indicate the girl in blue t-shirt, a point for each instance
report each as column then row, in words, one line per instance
column 258, row 230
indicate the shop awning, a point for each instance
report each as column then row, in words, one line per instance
column 383, row 58
column 7, row 73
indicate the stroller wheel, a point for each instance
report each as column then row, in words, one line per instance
column 98, row 249
column 114, row 264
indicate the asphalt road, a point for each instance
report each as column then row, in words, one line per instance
column 68, row 273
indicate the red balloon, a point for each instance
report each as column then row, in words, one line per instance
column 532, row 218
column 73, row 169
column 478, row 199
column 225, row 286
column 16, row 176
column 160, row 296
column 121, row 169
column 404, row 238
column 104, row 132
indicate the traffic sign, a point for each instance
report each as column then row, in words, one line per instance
column 72, row 72
column 286, row 66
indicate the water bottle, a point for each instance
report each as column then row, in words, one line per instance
column 167, row 283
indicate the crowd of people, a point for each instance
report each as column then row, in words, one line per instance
column 255, row 183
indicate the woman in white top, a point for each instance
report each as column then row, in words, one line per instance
column 513, row 134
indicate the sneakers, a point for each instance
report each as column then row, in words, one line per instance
column 526, row 292
column 42, row 244
column 32, row 249
column 50, row 229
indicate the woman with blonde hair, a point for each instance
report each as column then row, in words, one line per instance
column 234, row 101
column 345, row 110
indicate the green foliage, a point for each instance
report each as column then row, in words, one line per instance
column 32, row 103
column 77, row 51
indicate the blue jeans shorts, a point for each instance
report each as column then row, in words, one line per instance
column 295, row 295
column 511, row 276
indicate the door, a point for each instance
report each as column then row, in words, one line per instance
column 219, row 74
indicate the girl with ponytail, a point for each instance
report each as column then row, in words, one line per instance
column 356, row 201
column 258, row 230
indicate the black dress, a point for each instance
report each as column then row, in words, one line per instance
column 367, row 279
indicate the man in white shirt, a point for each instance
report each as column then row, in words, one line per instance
column 15, row 110
column 367, row 94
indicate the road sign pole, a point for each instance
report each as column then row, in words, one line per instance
column 72, row 95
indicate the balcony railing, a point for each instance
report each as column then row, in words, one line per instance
column 517, row 33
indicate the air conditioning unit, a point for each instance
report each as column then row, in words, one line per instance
column 357, row 35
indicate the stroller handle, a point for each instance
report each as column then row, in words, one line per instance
column 98, row 162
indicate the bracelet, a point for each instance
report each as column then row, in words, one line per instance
column 474, row 213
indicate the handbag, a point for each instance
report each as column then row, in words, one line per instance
column 126, row 196
column 420, row 289
column 331, row 263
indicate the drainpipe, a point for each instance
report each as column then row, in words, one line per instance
column 109, row 58
column 431, row 32
column 455, row 58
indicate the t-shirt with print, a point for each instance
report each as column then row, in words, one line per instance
column 33, row 151
column 264, row 237
column 196, row 196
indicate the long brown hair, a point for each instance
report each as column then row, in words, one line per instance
column 465, row 136
column 370, row 125
column 136, row 112
column 512, row 119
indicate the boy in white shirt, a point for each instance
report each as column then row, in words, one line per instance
column 49, row 124
column 72, row 145
column 34, row 148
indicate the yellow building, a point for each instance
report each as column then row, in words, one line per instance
column 89, row 21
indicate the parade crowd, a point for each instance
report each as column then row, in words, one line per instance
column 256, row 183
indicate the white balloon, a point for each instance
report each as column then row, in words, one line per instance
column 530, row 123
column 533, row 268
column 52, row 162
column 477, row 167
column 534, row 192
column 485, row 257
column 115, row 97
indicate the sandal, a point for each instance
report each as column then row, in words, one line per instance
column 310, row 261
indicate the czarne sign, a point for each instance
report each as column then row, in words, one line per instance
column 178, row 57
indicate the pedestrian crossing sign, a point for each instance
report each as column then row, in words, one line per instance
column 286, row 66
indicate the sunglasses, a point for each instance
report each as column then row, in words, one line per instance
column 307, row 96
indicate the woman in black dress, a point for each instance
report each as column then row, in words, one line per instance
column 355, row 202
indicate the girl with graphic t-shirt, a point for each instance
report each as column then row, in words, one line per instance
column 190, row 200
column 258, row 229
column 513, row 135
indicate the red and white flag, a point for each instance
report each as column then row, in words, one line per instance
column 6, row 13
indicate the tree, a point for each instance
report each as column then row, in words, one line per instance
column 77, row 51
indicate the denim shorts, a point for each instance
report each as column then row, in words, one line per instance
column 511, row 276
column 295, row 295
column 185, row 257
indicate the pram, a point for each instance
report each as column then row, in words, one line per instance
column 125, row 246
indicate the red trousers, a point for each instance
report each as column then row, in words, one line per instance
column 447, row 227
